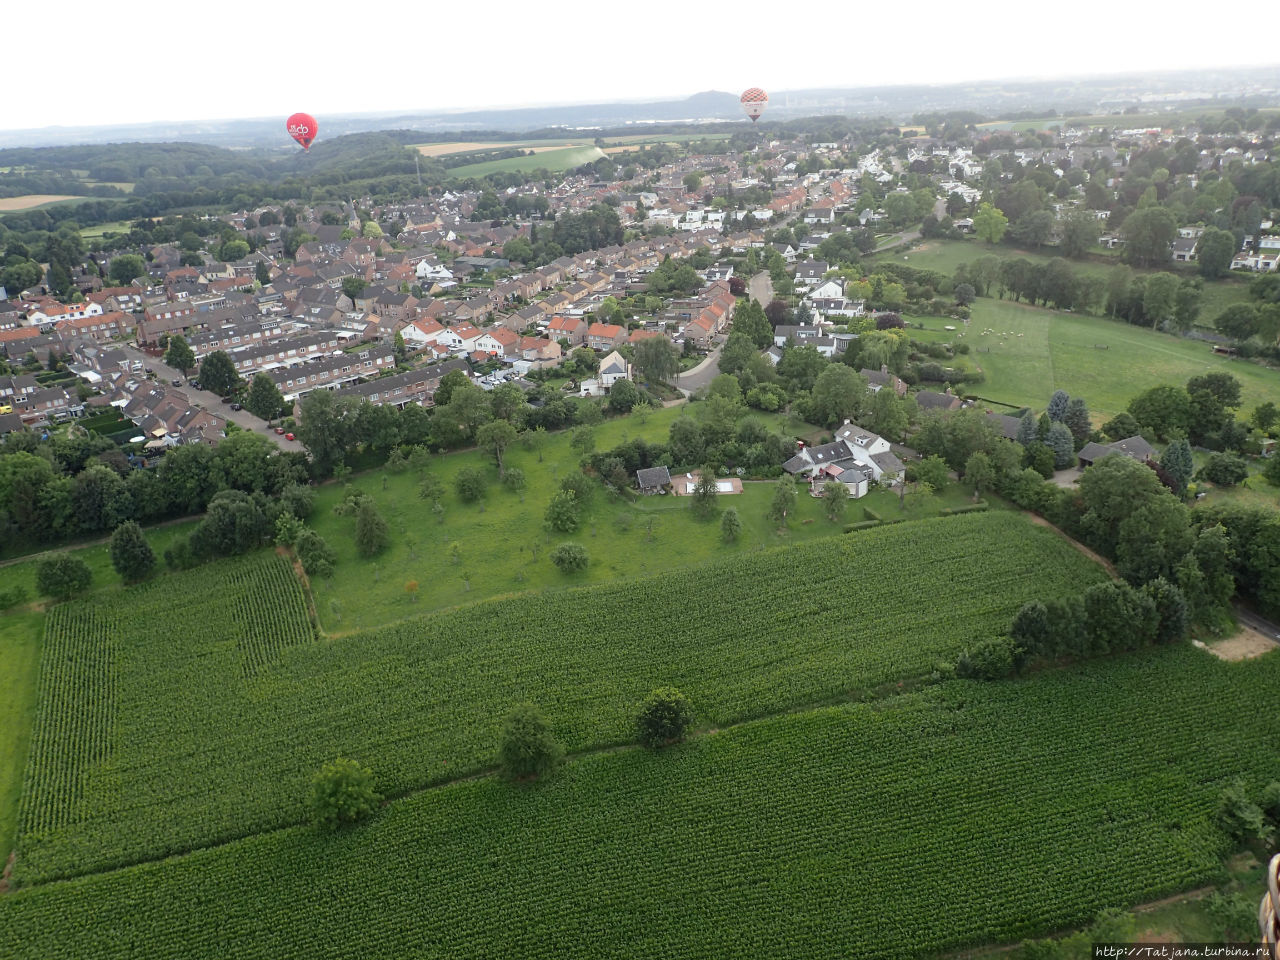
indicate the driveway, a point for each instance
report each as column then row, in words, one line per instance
column 206, row 400
column 702, row 374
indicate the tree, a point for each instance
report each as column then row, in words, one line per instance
column 179, row 355
column 1214, row 252
column 262, row 273
column 342, row 792
column 1080, row 232
column 1177, row 463
column 1238, row 321
column 124, row 270
column 131, row 555
column 932, row 470
column 624, row 396
column 264, row 398
column 316, row 556
column 835, row 497
column 495, row 437
column 692, row 181
column 1265, row 415
column 1225, row 469
column 1160, row 298
column 527, row 749
column 839, row 393
column 784, row 499
column 1148, row 233
column 965, row 294
column 1077, row 421
column 664, row 718
column 218, row 374
column 657, row 359
column 563, row 512
column 1063, row 445
column 570, row 558
column 731, row 524
column 371, row 531
column 1058, row 404
column 1162, row 409
column 979, row 471
column 62, row 576
column 989, row 223
column 470, row 484
column 353, row 286
column 702, row 501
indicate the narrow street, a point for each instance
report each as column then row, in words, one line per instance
column 206, row 400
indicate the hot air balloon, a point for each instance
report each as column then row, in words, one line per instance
column 303, row 128
column 753, row 102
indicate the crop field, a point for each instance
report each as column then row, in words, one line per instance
column 537, row 146
column 170, row 718
column 20, row 634
column 503, row 545
column 1032, row 351
column 31, row 201
column 960, row 815
column 555, row 160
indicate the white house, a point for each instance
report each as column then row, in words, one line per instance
column 613, row 368
column 419, row 333
column 852, row 447
column 1261, row 262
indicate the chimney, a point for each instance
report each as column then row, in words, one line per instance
column 884, row 368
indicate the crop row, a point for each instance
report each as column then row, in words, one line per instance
column 960, row 815
column 204, row 753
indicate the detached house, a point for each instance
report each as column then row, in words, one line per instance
column 853, row 449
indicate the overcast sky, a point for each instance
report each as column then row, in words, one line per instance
column 146, row 61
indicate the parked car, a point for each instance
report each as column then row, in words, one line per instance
column 228, row 399
column 288, row 436
column 176, row 382
column 236, row 406
column 195, row 384
column 280, row 431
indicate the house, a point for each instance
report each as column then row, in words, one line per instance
column 1135, row 447
column 1005, row 425
column 928, row 400
column 852, row 447
column 1184, row 249
column 879, row 379
column 572, row 329
column 855, row 479
column 810, row 273
column 419, row 333
column 1262, row 262
column 605, row 336
column 652, row 480
column 613, row 368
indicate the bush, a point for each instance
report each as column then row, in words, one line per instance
column 1225, row 469
column 371, row 531
column 470, row 484
column 1241, row 818
column 62, row 576
column 513, row 479
column 342, row 792
column 570, row 558
column 563, row 514
column 664, row 718
column 989, row 660
column 580, row 485
column 528, row 750
column 131, row 555
column 12, row 597
column 730, row 526
column 317, row 557
column 180, row 556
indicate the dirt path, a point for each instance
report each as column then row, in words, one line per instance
column 1246, row 644
column 1105, row 563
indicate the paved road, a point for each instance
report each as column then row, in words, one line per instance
column 209, row 401
column 1250, row 619
column 760, row 288
column 702, row 374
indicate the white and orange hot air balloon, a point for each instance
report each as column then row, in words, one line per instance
column 753, row 102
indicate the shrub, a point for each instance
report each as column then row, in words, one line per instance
column 1241, row 818
column 989, row 660
column 317, row 557
column 730, row 526
column 62, row 576
column 1225, row 469
column 563, row 514
column 470, row 484
column 664, row 718
column 342, row 792
column 570, row 557
column 180, row 556
column 528, row 750
column 371, row 531
column 513, row 479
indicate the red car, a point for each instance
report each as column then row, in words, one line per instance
column 280, row 431
column 288, row 436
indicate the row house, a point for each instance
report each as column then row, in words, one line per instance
column 46, row 313
column 572, row 329
column 401, row 389
column 49, row 403
column 99, row 327
column 234, row 338
column 286, row 353
column 605, row 336
column 330, row 372
column 462, row 336
column 167, row 317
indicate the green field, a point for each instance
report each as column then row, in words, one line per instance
column 190, row 710
column 20, row 634
column 960, row 815
column 504, row 546
column 945, row 255
column 1033, row 351
column 552, row 160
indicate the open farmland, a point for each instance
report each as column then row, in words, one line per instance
column 31, row 201
column 1032, row 351
column 960, row 815
column 554, row 160
column 190, row 710
column 537, row 146
column 20, row 633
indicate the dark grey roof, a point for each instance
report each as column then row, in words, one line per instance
column 651, row 477
column 888, row 462
column 1095, row 451
column 1007, row 425
column 1135, row 447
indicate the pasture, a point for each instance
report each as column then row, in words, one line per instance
column 193, row 709
column 960, row 815
column 1032, row 351
column 554, row 160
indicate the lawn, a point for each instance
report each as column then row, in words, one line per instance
column 955, row 816
column 502, row 542
column 117, row 226
column 194, row 709
column 1032, row 351
column 20, row 636
column 555, row 161
column 945, row 255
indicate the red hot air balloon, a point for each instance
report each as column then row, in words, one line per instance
column 303, row 128
column 753, row 102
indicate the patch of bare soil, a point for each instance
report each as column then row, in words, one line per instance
column 1245, row 645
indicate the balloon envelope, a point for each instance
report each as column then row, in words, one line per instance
column 303, row 128
column 753, row 102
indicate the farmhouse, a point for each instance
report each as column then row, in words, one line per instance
column 1135, row 447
